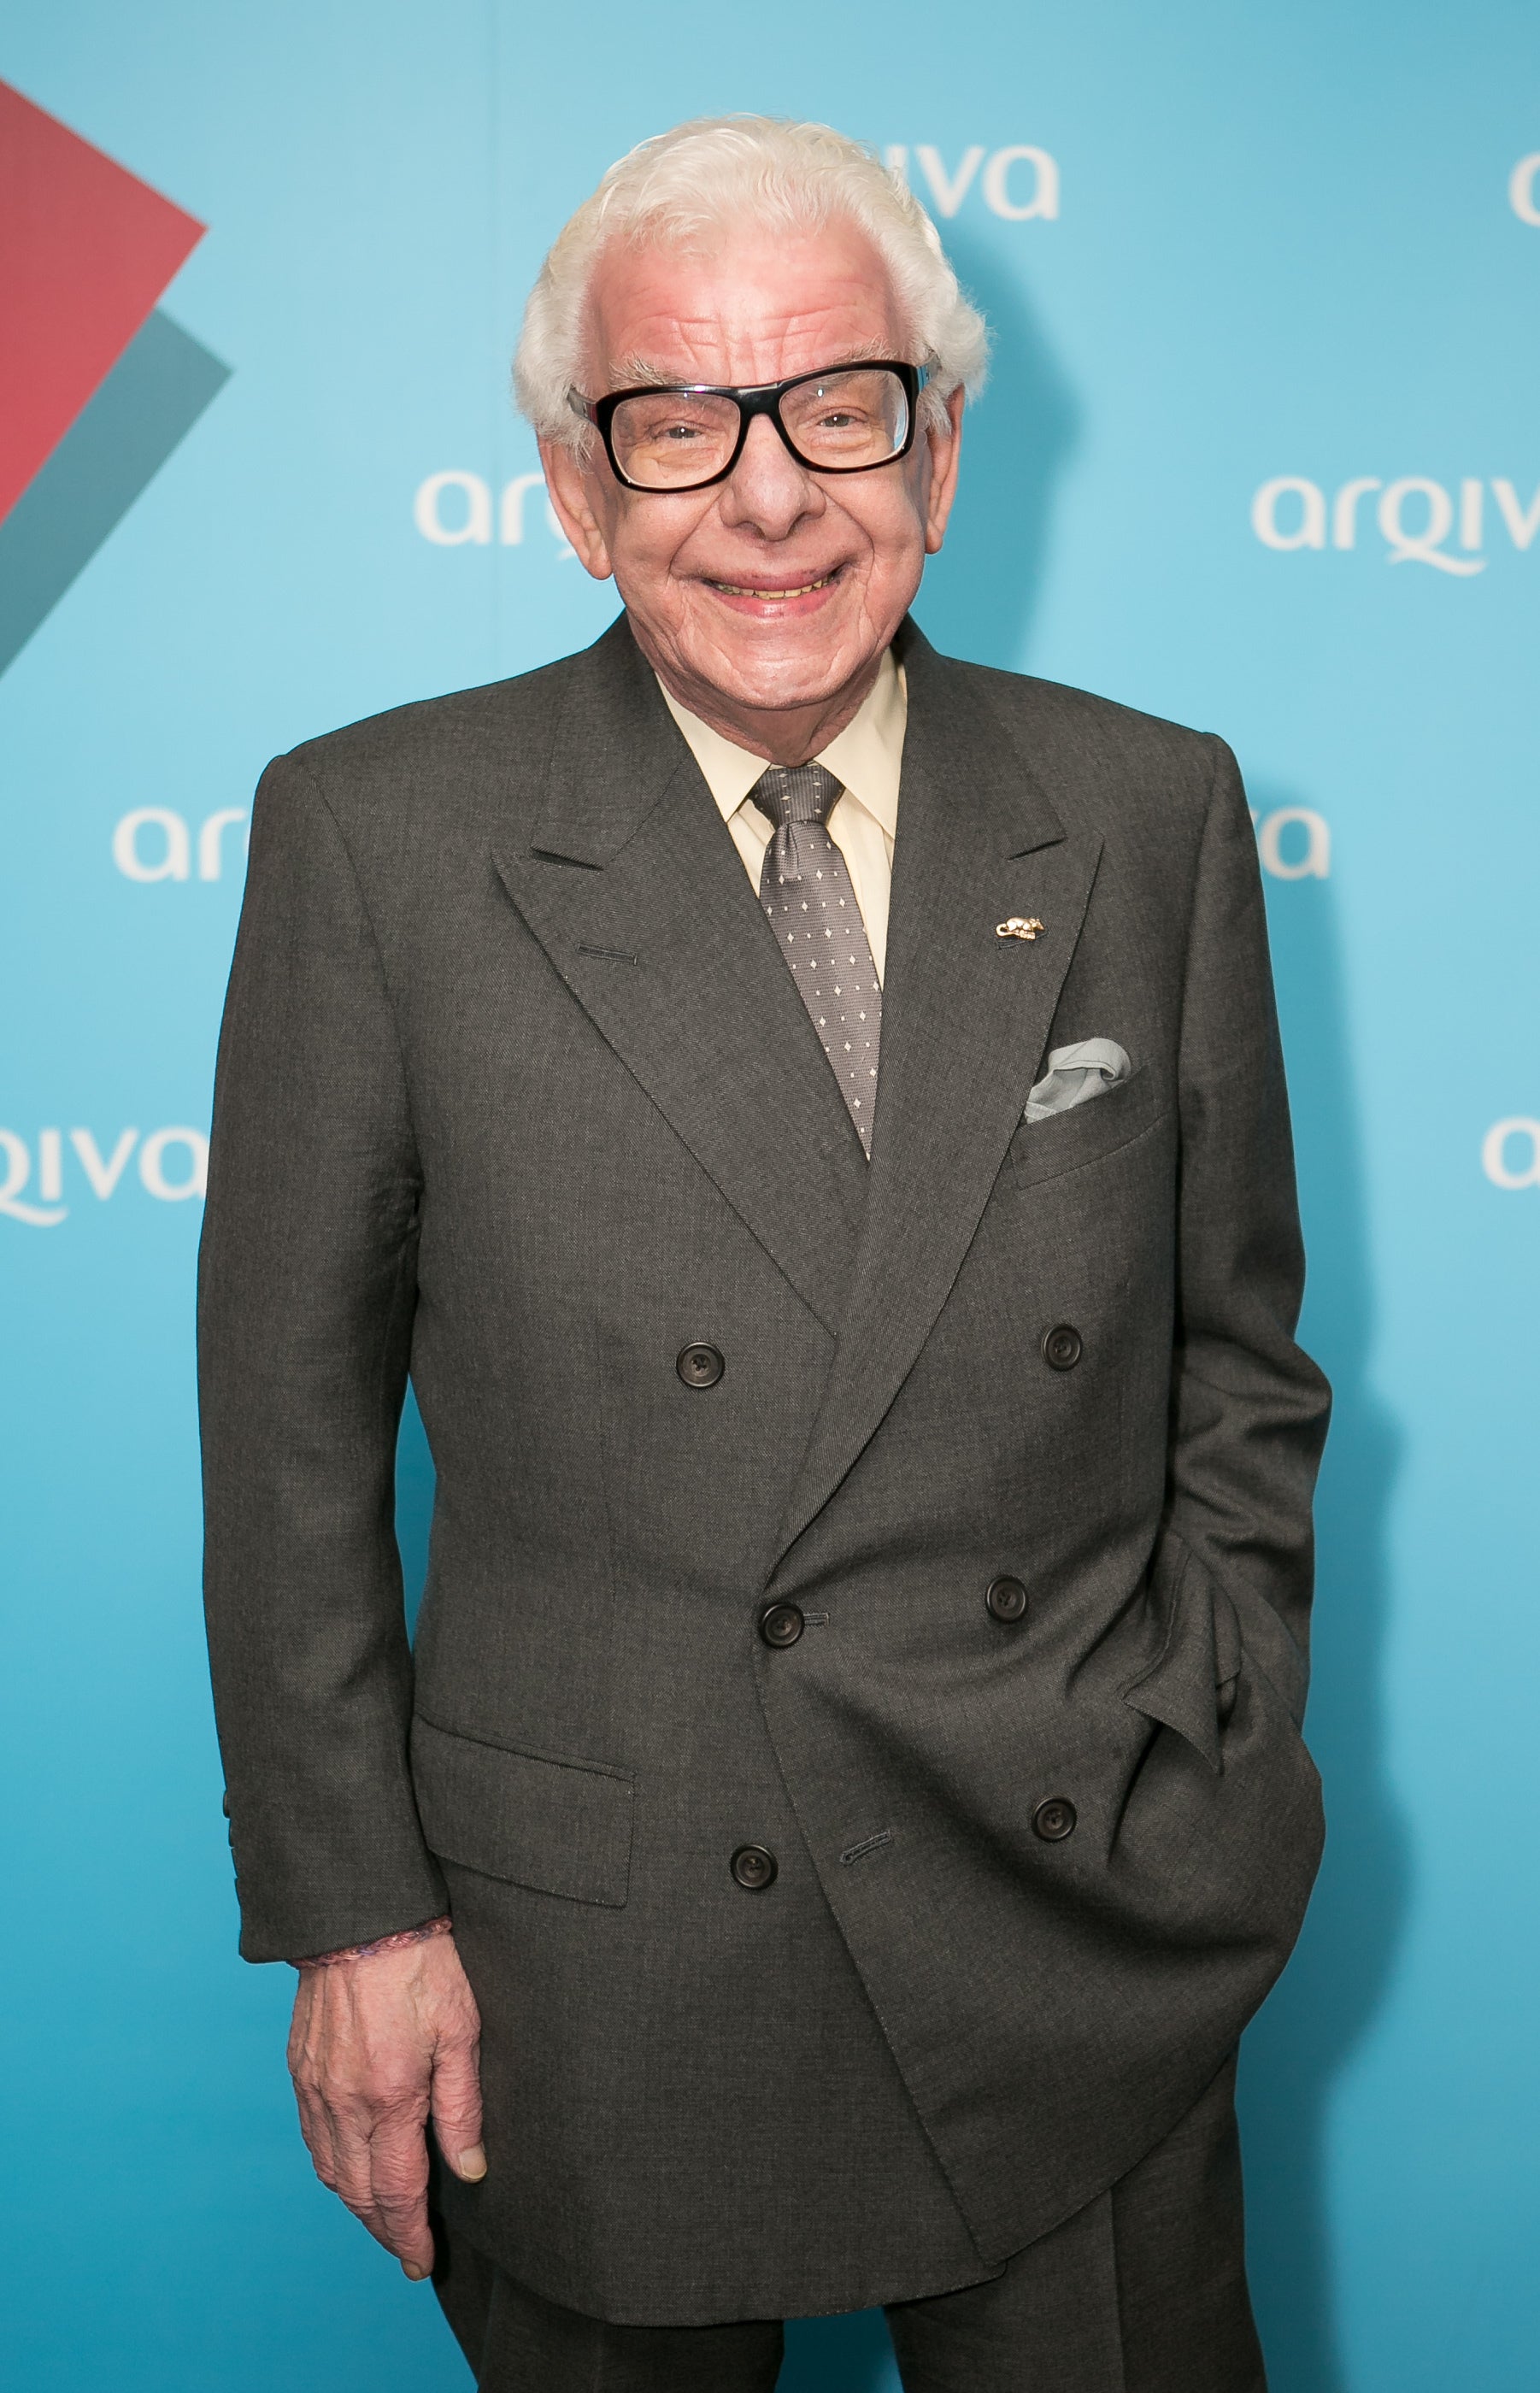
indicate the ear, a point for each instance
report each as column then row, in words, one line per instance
column 567, row 480
column 946, row 447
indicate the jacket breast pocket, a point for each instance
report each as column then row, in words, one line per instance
column 560, row 1826
column 1097, row 1127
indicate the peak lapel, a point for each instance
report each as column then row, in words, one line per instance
column 965, row 1020
column 632, row 885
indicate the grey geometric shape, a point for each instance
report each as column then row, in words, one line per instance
column 116, row 445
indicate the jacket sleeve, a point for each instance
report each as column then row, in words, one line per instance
column 1250, row 1408
column 307, row 1290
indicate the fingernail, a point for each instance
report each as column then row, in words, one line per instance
column 473, row 2161
column 410, row 2268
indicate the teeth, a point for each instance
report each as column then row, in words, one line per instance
column 736, row 590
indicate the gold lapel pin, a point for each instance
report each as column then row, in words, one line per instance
column 1018, row 926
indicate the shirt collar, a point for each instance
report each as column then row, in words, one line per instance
column 866, row 757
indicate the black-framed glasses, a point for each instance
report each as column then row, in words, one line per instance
column 686, row 436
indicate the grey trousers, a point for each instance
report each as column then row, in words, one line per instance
column 1142, row 2291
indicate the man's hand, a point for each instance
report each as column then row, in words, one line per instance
column 379, row 2046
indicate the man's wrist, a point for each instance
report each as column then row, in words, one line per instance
column 397, row 1943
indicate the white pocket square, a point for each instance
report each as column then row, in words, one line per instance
column 1087, row 1069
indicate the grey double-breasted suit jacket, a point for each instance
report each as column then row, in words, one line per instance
column 516, row 1092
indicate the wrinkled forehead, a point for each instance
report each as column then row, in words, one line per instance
column 745, row 303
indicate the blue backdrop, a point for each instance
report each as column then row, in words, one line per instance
column 1259, row 452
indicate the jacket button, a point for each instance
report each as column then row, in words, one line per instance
column 699, row 1366
column 781, row 1624
column 1005, row 1598
column 1061, row 1348
column 754, row 1867
column 1054, row 1819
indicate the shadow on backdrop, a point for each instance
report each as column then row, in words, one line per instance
column 1306, row 2033
column 980, row 596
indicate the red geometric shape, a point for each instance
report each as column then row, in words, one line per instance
column 86, row 251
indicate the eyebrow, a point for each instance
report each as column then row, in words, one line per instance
column 639, row 372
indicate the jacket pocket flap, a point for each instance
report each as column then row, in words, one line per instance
column 1201, row 1654
column 1099, row 1126
column 558, row 1825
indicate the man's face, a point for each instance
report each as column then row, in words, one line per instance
column 778, row 589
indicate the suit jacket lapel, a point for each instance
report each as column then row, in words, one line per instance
column 965, row 1020
column 633, row 886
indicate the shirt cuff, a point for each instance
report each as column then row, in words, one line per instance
column 394, row 1943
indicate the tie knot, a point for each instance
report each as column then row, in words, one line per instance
column 796, row 793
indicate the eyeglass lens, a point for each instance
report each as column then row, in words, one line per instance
column 672, row 439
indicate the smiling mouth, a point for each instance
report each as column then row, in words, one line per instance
column 761, row 590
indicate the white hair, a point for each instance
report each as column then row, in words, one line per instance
column 681, row 187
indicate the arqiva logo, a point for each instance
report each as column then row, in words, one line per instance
column 1018, row 183
column 173, row 1164
column 97, row 387
column 1414, row 515
column 1510, row 1152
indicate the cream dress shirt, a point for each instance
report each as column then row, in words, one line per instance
column 867, row 757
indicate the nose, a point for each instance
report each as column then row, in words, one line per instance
column 767, row 492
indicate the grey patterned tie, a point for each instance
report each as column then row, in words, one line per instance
column 806, row 889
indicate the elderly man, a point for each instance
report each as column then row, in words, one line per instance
column 807, row 1115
